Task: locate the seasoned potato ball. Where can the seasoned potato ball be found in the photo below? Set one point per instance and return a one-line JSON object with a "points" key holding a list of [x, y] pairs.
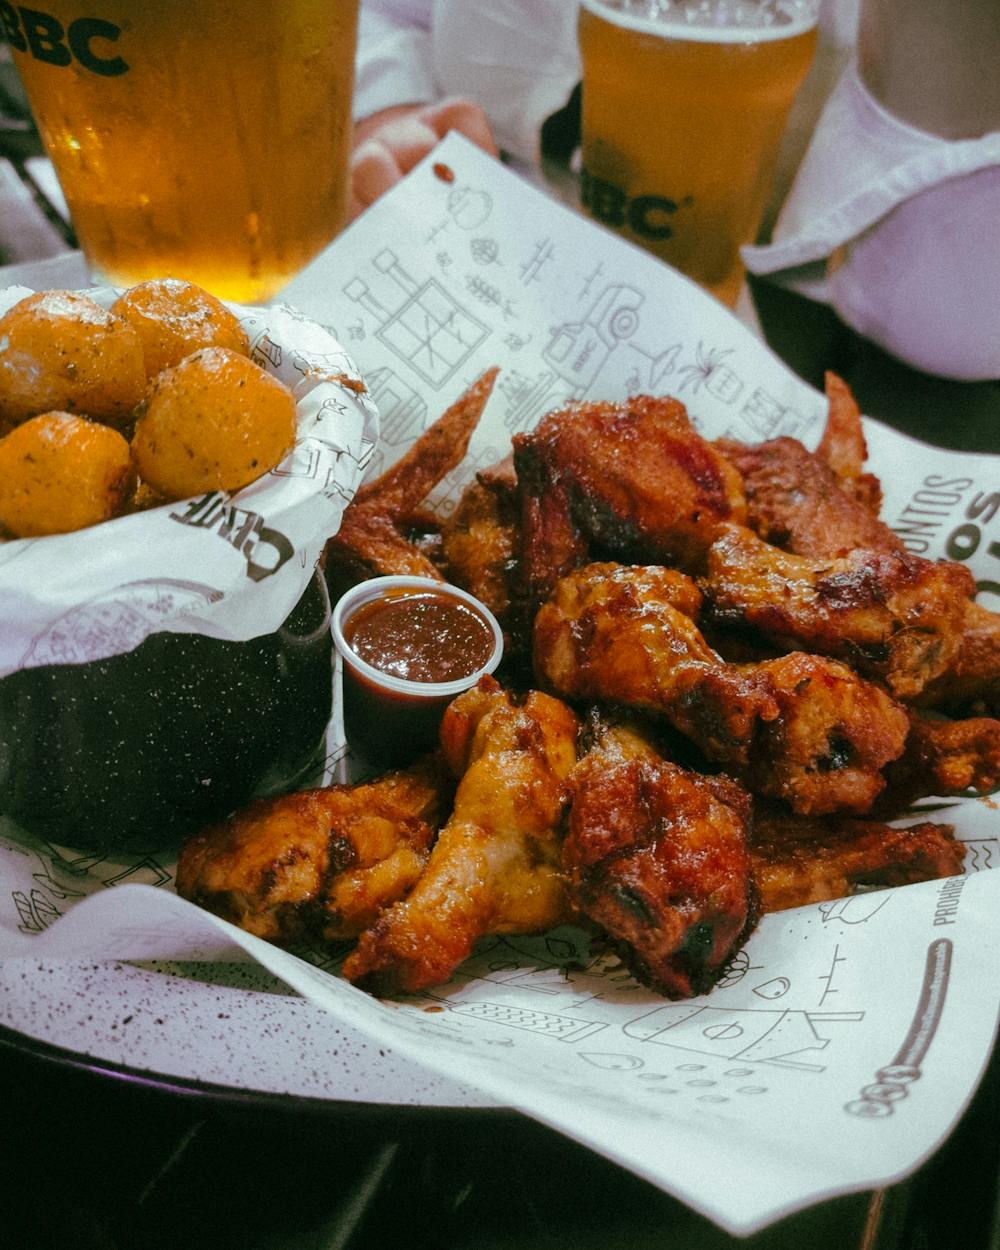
{"points": [[175, 318], [60, 351], [216, 421], [60, 472]]}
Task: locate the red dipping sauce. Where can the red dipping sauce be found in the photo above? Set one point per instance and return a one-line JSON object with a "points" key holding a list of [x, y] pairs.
{"points": [[409, 645], [425, 636]]}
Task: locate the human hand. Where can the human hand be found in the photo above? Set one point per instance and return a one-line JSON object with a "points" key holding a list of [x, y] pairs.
{"points": [[388, 144]]}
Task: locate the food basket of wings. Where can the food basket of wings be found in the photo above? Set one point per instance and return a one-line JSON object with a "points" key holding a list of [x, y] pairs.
{"points": [[724, 680]]}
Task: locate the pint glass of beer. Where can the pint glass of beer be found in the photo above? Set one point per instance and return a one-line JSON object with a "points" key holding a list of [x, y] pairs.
{"points": [[684, 108], [198, 139]]}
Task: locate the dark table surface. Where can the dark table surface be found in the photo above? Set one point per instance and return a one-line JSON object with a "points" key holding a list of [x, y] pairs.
{"points": [[94, 1161]]}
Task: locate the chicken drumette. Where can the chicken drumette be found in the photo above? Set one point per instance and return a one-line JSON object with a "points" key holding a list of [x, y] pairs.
{"points": [[495, 867], [633, 479], [657, 856], [797, 861], [321, 864], [892, 615], [800, 727]]}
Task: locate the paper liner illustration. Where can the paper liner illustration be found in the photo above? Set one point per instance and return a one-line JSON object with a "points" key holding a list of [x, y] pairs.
{"points": [[846, 1038]]}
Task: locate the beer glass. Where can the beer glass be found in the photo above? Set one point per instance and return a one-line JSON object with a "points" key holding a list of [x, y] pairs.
{"points": [[198, 139], [684, 107]]}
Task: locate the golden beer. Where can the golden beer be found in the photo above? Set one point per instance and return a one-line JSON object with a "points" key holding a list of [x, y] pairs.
{"points": [[681, 128], [206, 140]]}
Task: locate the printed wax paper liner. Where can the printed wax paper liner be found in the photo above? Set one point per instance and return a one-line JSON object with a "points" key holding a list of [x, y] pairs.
{"points": [[230, 566], [848, 1037]]}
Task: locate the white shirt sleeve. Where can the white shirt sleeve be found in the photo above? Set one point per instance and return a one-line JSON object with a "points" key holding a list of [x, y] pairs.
{"points": [[394, 57]]}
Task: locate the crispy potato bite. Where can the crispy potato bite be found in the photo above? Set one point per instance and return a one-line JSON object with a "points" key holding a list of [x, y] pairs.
{"points": [[60, 472], [174, 318], [60, 351], [216, 421]]}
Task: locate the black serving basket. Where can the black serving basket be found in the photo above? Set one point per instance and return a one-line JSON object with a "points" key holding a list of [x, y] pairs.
{"points": [[135, 752]]}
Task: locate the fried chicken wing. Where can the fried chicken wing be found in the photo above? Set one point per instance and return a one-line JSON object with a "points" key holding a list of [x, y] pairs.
{"points": [[495, 867], [795, 501], [320, 864], [657, 857], [370, 539], [479, 541], [800, 727], [892, 615], [971, 683], [797, 861], [633, 479], [843, 447], [943, 757]]}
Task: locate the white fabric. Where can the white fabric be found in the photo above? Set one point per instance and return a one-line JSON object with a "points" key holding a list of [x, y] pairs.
{"points": [[899, 231], [394, 64], [518, 59]]}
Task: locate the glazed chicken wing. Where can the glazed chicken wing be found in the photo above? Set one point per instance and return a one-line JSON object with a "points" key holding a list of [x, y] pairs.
{"points": [[843, 447], [971, 683], [799, 727], [892, 615], [370, 539], [943, 757], [495, 867], [657, 857], [798, 861], [631, 479], [320, 864], [797, 502], [479, 541]]}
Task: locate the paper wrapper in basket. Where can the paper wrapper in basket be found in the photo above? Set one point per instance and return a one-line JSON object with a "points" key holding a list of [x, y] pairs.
{"points": [[160, 667], [847, 1037]]}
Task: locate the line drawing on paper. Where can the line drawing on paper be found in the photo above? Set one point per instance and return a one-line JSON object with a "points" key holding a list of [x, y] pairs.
{"points": [[560, 1028], [892, 1083], [854, 908], [421, 323], [826, 980], [577, 350], [711, 373], [789, 1038], [768, 418], [531, 268]]}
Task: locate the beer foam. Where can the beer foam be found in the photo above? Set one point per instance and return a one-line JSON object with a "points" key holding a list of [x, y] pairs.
{"points": [[711, 21]]}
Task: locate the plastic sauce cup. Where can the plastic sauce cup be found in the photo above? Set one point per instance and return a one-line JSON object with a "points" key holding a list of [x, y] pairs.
{"points": [[408, 646]]}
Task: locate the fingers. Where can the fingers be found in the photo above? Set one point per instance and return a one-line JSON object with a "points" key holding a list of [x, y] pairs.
{"points": [[374, 170], [394, 145], [464, 116]]}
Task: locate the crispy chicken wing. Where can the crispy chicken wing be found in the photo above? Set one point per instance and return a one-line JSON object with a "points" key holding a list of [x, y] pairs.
{"points": [[479, 541], [843, 447], [798, 861], [971, 683], [943, 757], [320, 864], [890, 614], [799, 727], [657, 857], [797, 502], [495, 867], [370, 539], [631, 479]]}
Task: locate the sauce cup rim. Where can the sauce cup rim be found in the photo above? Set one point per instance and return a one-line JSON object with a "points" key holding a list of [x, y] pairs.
{"points": [[374, 588]]}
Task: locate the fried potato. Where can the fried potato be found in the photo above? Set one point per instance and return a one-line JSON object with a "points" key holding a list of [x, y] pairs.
{"points": [[174, 318], [216, 421], [60, 472], [60, 351]]}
